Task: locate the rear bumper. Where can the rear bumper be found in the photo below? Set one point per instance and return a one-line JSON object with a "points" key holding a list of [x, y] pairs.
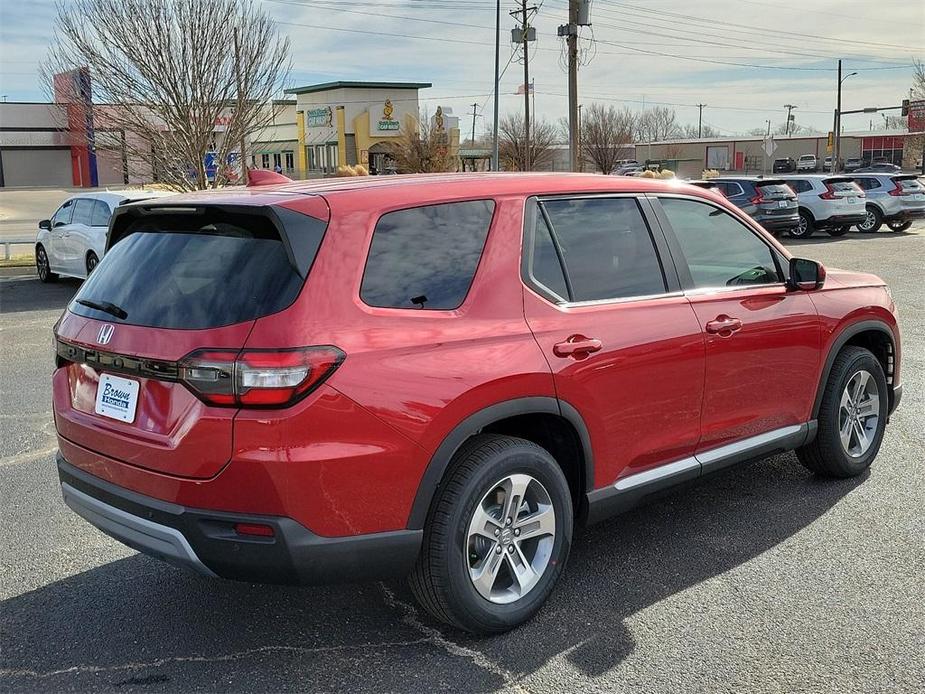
{"points": [[776, 223], [905, 215], [205, 541], [843, 219]]}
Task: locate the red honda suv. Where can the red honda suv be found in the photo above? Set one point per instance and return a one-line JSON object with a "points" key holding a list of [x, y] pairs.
{"points": [[440, 376]]}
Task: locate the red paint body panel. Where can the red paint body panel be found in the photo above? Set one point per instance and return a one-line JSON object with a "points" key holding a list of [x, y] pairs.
{"points": [[349, 458], [640, 394]]}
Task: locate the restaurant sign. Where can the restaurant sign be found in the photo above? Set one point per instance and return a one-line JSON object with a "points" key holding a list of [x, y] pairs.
{"points": [[319, 117], [387, 122]]}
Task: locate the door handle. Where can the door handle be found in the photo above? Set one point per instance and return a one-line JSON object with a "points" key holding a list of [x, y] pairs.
{"points": [[577, 346], [723, 326]]}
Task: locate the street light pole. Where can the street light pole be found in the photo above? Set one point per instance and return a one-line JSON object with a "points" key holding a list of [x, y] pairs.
{"points": [[837, 158], [494, 134]]}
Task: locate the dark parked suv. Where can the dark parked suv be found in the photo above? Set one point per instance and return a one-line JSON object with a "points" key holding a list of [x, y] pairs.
{"points": [[442, 376], [769, 201]]}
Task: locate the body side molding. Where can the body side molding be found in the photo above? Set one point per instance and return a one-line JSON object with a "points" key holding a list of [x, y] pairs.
{"points": [[628, 491]]}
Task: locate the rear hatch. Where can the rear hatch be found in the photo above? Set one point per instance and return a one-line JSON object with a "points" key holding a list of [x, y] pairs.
{"points": [[846, 196], [910, 191], [177, 292], [774, 198]]}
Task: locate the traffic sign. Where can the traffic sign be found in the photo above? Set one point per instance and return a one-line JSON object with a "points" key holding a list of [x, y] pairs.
{"points": [[770, 146]]}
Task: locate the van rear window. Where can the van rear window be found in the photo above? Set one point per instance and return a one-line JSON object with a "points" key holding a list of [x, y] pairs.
{"points": [[201, 270]]}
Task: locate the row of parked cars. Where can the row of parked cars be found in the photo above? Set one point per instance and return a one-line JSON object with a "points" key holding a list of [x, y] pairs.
{"points": [[810, 163], [800, 204]]}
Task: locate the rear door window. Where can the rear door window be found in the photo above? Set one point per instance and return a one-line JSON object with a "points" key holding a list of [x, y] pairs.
{"points": [[202, 270], [100, 214], [606, 247], [426, 257]]}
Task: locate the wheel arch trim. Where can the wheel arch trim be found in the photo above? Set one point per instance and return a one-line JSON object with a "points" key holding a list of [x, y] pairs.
{"points": [[840, 341], [475, 422]]}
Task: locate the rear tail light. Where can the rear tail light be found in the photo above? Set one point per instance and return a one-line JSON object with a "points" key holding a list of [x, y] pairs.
{"points": [[897, 190], [257, 378], [829, 193]]}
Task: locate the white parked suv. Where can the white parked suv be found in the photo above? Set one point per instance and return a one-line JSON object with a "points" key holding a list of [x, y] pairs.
{"points": [[72, 242], [892, 199], [832, 203], [807, 162]]}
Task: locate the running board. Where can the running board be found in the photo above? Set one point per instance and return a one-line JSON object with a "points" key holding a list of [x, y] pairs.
{"points": [[629, 491]]}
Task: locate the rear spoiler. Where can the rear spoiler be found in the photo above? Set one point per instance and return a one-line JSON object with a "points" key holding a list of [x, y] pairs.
{"points": [[262, 177], [770, 182]]}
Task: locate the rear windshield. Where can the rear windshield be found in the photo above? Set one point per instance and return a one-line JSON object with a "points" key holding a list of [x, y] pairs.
{"points": [[775, 190], [196, 271], [910, 184], [843, 186]]}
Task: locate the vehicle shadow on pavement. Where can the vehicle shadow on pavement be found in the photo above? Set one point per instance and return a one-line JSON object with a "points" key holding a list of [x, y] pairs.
{"points": [[138, 622], [28, 294]]}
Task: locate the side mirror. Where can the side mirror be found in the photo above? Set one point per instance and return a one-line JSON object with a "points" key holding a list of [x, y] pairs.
{"points": [[45, 224], [806, 275]]}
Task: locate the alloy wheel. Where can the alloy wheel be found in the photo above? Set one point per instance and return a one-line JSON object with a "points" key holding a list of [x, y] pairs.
{"points": [[869, 221], [41, 263], [859, 414], [510, 539]]}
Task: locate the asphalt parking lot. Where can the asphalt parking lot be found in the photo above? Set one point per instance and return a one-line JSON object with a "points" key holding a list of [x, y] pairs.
{"points": [[764, 579]]}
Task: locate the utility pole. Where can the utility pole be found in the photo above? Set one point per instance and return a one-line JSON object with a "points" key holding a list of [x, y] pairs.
{"points": [[494, 136], [572, 43], [475, 114], [837, 155], [525, 36], [789, 108], [700, 121], [237, 74]]}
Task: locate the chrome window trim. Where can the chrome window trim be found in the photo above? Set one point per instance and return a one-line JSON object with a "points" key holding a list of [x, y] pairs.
{"points": [[739, 287], [621, 300]]}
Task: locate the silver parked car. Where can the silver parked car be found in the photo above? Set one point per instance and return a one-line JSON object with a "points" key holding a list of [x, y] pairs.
{"points": [[892, 199], [832, 203]]}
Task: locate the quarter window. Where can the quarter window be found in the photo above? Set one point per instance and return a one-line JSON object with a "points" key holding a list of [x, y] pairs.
{"points": [[720, 251], [426, 257], [605, 245]]}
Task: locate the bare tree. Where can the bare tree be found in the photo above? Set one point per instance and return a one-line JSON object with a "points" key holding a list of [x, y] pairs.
{"points": [[167, 71], [694, 131], [512, 142], [422, 147], [656, 124], [918, 79], [605, 132]]}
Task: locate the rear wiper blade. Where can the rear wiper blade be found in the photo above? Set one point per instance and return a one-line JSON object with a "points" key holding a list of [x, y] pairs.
{"points": [[105, 306]]}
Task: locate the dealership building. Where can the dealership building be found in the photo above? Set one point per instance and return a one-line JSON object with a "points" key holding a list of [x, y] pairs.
{"points": [[688, 158]]}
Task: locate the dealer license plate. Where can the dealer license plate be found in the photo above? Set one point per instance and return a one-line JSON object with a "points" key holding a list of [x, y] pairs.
{"points": [[117, 398]]}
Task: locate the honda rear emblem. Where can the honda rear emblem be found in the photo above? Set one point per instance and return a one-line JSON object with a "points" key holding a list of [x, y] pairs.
{"points": [[105, 334]]}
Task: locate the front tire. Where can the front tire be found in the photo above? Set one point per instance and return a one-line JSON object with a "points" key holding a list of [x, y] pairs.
{"points": [[805, 228], [872, 222], [42, 266], [852, 416], [497, 536], [92, 262], [899, 226]]}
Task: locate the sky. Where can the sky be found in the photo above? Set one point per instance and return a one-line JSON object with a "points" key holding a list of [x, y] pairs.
{"points": [[744, 59]]}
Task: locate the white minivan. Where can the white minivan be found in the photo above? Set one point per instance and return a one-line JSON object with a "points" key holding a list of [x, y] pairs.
{"points": [[73, 241]]}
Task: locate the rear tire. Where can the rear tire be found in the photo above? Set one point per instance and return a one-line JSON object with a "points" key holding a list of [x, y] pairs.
{"points": [[485, 475], [805, 228], [42, 266], [899, 226], [873, 222], [838, 231], [836, 454]]}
